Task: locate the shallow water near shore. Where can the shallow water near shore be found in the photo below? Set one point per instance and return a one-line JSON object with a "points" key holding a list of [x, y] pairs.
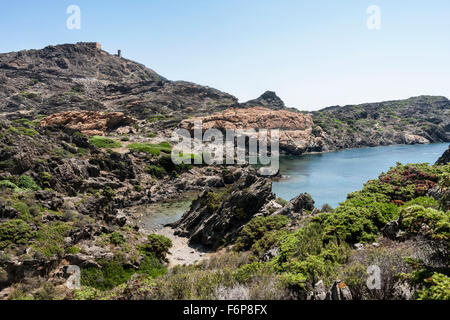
{"points": [[329, 177], [156, 215]]}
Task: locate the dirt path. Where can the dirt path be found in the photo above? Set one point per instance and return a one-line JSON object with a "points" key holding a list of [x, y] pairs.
{"points": [[181, 252]]}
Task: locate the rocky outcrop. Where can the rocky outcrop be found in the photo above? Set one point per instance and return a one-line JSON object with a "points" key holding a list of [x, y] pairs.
{"points": [[415, 139], [297, 206], [215, 219], [88, 122], [445, 158], [338, 291], [297, 132], [268, 99]]}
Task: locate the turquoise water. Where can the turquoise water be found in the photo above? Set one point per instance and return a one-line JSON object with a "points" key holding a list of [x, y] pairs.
{"points": [[329, 177]]}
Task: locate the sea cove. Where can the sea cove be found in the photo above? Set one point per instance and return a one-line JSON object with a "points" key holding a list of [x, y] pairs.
{"points": [[329, 177]]}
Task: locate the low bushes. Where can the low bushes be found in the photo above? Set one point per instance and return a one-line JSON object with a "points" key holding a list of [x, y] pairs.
{"points": [[436, 288], [14, 232], [50, 238], [102, 142], [157, 245], [153, 149], [26, 182], [257, 228], [426, 221]]}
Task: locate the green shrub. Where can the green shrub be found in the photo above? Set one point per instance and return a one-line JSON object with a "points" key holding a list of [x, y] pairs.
{"points": [[7, 165], [360, 217], [212, 201], [14, 232], [86, 293], [108, 193], [269, 240], [246, 272], [151, 266], [256, 228], [26, 182], [437, 288], [9, 185], [23, 209], [111, 274], [157, 245], [157, 118], [427, 221], [72, 250], [154, 149], [426, 202], [116, 238], [307, 256], [165, 161], [102, 142], [156, 171], [50, 238], [23, 131]]}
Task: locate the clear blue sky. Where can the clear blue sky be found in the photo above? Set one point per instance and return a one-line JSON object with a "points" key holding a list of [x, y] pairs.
{"points": [[312, 53]]}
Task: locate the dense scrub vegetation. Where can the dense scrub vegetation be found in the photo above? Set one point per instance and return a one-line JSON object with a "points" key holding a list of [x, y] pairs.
{"points": [[273, 256], [321, 248]]}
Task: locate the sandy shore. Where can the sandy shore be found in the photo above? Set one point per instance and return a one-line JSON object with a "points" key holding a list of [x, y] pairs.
{"points": [[181, 252]]}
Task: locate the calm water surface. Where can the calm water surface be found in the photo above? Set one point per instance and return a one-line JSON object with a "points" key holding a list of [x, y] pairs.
{"points": [[329, 177]]}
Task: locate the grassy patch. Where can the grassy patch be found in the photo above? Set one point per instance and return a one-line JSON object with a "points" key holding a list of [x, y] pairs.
{"points": [[154, 149], [102, 142]]}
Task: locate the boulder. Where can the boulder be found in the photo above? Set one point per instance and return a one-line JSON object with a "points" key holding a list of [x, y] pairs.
{"points": [[319, 292], [297, 206], [49, 199], [339, 291], [7, 212]]}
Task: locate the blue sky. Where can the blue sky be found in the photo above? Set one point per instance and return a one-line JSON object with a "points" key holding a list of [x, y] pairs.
{"points": [[312, 53]]}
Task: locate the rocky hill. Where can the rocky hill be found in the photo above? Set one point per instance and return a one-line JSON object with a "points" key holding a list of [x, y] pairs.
{"points": [[83, 77], [422, 119]]}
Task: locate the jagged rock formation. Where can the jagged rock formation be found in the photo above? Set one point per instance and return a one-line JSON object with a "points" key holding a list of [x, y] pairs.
{"points": [[215, 219], [83, 77], [296, 129], [297, 206], [338, 291], [268, 99], [445, 158]]}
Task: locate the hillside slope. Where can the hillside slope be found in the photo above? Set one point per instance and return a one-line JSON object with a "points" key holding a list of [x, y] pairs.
{"points": [[82, 77], [420, 119]]}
